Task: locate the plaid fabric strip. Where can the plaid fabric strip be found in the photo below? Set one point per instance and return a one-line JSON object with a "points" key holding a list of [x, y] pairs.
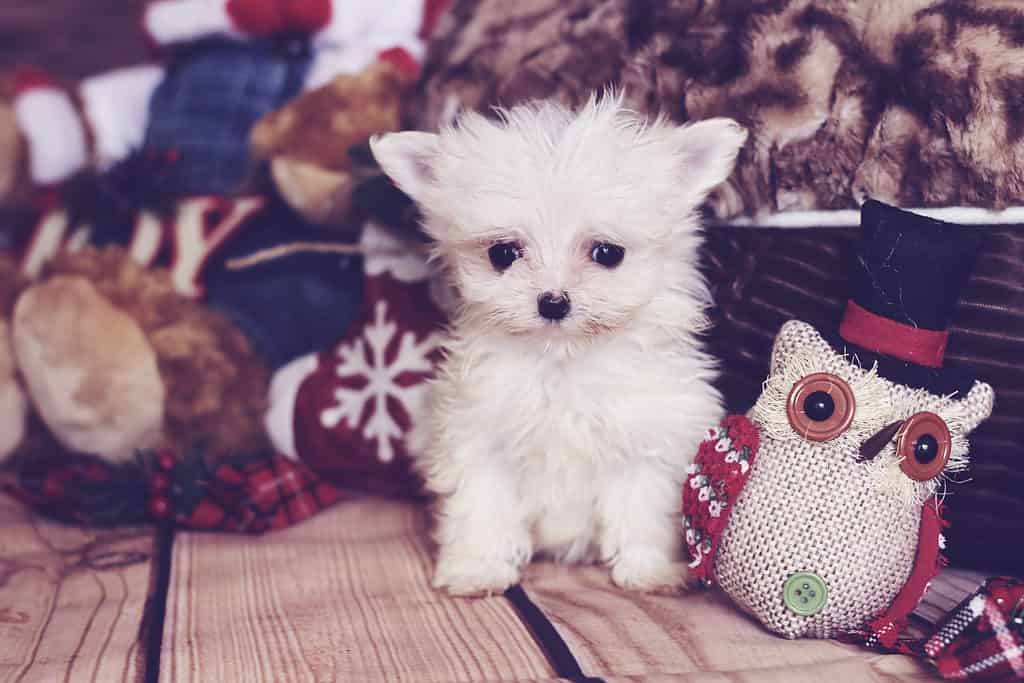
{"points": [[983, 638], [263, 494]]}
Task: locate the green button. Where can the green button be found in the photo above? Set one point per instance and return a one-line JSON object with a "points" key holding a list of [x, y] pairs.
{"points": [[805, 593]]}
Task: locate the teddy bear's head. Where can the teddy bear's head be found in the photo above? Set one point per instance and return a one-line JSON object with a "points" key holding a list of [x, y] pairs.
{"points": [[307, 141]]}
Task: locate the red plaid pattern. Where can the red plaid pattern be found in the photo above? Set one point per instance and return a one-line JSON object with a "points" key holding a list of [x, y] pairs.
{"points": [[258, 495], [245, 494], [983, 638]]}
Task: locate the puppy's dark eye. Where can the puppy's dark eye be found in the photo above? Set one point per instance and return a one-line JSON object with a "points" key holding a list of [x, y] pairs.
{"points": [[607, 255], [504, 254]]}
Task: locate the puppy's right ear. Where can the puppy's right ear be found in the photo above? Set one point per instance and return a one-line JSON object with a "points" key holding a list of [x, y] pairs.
{"points": [[408, 158]]}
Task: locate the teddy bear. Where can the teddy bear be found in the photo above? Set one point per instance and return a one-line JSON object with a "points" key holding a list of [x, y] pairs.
{"points": [[113, 360], [319, 76], [127, 321], [308, 142]]}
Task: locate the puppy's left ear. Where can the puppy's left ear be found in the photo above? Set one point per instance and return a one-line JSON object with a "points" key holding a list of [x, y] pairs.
{"points": [[707, 152], [408, 158]]}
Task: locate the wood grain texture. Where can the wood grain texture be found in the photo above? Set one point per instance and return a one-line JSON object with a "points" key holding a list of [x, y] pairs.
{"points": [[71, 601], [344, 596], [696, 637]]}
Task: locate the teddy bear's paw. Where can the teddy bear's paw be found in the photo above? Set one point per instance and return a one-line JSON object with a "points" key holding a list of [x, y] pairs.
{"points": [[89, 368]]}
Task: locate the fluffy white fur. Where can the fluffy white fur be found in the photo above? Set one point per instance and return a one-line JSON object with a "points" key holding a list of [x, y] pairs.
{"points": [[568, 438]]}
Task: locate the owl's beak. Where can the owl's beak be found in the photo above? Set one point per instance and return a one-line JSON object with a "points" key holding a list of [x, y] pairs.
{"points": [[878, 441]]}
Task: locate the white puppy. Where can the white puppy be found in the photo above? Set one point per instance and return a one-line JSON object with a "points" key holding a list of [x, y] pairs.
{"points": [[574, 390]]}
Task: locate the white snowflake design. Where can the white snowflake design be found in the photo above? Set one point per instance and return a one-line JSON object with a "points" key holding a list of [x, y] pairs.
{"points": [[381, 382]]}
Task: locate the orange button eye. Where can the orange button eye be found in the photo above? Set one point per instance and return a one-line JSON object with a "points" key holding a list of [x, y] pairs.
{"points": [[924, 444], [820, 407]]}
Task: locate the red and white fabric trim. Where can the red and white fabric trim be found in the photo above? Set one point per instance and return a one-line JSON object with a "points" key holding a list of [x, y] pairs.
{"points": [[347, 412], [175, 21], [360, 33], [714, 482], [116, 105], [284, 389], [891, 338], [352, 415], [347, 35], [885, 630], [41, 107]]}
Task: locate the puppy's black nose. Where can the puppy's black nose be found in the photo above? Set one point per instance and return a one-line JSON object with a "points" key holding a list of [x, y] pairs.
{"points": [[553, 306]]}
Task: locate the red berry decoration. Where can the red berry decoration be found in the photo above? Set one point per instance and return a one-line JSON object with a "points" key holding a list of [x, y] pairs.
{"points": [[206, 515], [166, 461], [96, 472], [53, 488], [159, 507], [159, 483]]}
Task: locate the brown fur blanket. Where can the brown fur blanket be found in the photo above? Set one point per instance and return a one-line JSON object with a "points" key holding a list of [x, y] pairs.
{"points": [[916, 102]]}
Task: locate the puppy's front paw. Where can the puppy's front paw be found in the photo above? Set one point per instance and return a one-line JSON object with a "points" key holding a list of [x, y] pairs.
{"points": [[648, 572], [470, 576]]}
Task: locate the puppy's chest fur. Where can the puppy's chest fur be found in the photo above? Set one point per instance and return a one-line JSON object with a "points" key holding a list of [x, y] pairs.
{"points": [[564, 436], [561, 500], [567, 429], [561, 411]]}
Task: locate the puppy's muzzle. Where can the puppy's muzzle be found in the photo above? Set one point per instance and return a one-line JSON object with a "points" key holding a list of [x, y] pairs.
{"points": [[553, 306]]}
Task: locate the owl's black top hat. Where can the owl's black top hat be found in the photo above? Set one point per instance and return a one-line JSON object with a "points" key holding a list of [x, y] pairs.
{"points": [[908, 272]]}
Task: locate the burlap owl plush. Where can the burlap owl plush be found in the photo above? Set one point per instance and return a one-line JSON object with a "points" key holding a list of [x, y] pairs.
{"points": [[819, 511]]}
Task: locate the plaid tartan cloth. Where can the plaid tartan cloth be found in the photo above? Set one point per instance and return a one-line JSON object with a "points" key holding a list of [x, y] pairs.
{"points": [[983, 638], [243, 493], [214, 92]]}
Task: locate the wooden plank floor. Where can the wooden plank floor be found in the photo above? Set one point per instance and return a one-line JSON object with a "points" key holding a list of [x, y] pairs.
{"points": [[698, 636], [71, 600], [344, 596]]}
